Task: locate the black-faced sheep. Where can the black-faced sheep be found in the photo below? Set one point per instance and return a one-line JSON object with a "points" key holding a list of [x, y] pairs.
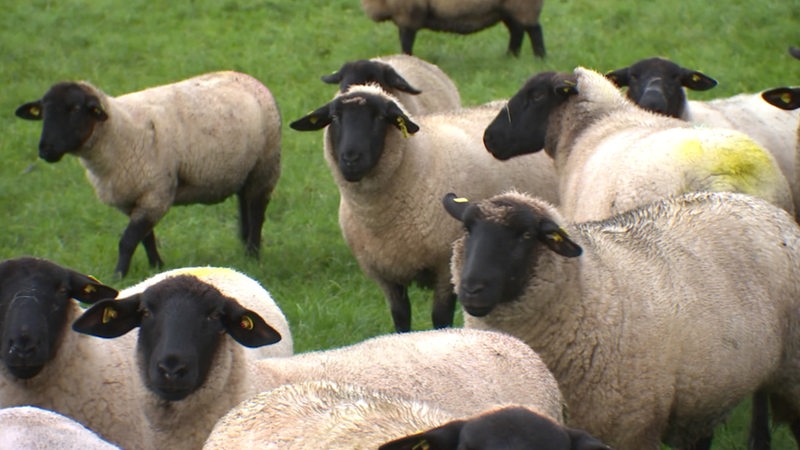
{"points": [[461, 16], [420, 86], [656, 84], [656, 322], [200, 140], [390, 168], [46, 364], [611, 155]]}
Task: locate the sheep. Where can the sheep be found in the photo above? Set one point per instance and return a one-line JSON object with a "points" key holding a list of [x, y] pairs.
{"points": [[508, 428], [388, 177], [420, 86], [193, 374], [655, 322], [611, 155], [195, 141], [245, 290], [656, 84], [330, 415], [45, 364], [463, 17], [28, 427]]}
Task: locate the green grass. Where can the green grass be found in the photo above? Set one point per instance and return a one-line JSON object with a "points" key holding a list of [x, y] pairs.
{"points": [[51, 211]]}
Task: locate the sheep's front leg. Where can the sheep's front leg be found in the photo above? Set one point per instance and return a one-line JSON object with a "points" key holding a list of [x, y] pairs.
{"points": [[407, 36], [138, 230], [399, 305], [444, 302], [537, 40]]}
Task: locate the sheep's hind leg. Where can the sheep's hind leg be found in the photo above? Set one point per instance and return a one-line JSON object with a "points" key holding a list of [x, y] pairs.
{"points": [[136, 232], [407, 36], [149, 244], [516, 33], [444, 306], [537, 39], [399, 305], [760, 436], [252, 210]]}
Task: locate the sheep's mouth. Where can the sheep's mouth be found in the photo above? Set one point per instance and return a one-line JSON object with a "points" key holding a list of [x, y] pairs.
{"points": [[479, 310], [24, 371], [171, 393]]}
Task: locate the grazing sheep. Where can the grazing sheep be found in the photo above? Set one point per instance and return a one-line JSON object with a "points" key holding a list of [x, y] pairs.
{"points": [[194, 374], [420, 86], [45, 364], [463, 17], [656, 84], [240, 287], [656, 322], [508, 428], [200, 140], [391, 168], [28, 427], [611, 155]]}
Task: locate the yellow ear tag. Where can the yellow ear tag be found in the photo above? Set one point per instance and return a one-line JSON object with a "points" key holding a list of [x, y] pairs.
{"points": [[88, 289], [786, 98], [421, 445], [35, 111], [402, 124], [461, 200], [555, 237], [246, 323], [313, 120], [695, 77], [109, 314]]}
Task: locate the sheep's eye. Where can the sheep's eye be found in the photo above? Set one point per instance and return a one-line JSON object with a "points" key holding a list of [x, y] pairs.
{"points": [[526, 235], [538, 96], [145, 312], [214, 315]]}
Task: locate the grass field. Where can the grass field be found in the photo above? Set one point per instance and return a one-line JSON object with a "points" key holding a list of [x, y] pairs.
{"points": [[50, 210]]}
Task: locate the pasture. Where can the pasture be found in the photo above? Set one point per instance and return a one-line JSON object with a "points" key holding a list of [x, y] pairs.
{"points": [[51, 211]]}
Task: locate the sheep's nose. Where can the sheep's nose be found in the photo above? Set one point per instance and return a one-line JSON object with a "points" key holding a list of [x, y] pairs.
{"points": [[24, 346], [350, 157], [172, 369], [472, 288]]}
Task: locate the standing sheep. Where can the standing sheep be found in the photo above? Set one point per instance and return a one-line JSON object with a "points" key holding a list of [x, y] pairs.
{"points": [[45, 364], [656, 322], [392, 169], [611, 155], [656, 84], [200, 140], [28, 427], [463, 17], [420, 86], [194, 373]]}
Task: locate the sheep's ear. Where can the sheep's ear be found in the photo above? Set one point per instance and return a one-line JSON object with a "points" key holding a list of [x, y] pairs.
{"points": [[696, 81], [783, 97], [315, 120], [619, 77], [88, 289], [110, 318], [795, 52], [445, 437], [96, 109], [247, 327], [333, 78], [396, 117], [566, 87], [30, 111], [581, 440], [557, 240], [394, 80], [455, 205]]}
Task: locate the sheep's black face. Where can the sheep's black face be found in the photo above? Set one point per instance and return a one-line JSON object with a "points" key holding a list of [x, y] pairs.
{"points": [[521, 127], [70, 114], [180, 332], [365, 71]]}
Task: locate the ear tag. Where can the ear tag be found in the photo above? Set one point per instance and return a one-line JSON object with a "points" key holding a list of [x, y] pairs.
{"points": [[421, 445], [461, 200], [695, 77], [246, 323], [555, 237], [109, 314], [313, 120], [786, 98], [35, 111], [88, 289], [402, 124]]}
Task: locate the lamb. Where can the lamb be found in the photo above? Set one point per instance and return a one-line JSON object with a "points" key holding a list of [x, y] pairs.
{"points": [[463, 17], [388, 180], [194, 373], [656, 84], [611, 155], [648, 318], [28, 427], [329, 415], [196, 141], [420, 86], [508, 428], [47, 365], [240, 287]]}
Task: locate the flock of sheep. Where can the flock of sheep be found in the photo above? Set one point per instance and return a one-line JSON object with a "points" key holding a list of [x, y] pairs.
{"points": [[563, 345]]}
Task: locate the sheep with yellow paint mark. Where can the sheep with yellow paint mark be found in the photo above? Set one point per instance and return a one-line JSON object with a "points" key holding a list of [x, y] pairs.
{"points": [[611, 155]]}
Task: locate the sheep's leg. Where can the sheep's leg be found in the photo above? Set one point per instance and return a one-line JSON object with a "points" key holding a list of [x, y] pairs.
{"points": [[444, 304], [244, 216], [516, 33], [399, 305], [149, 244], [407, 36], [537, 39], [760, 438], [700, 444], [136, 231], [252, 208]]}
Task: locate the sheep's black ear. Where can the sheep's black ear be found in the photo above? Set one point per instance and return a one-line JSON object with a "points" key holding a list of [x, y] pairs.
{"points": [[394, 80], [557, 240], [247, 327], [783, 97], [315, 120], [566, 87], [333, 78], [696, 81], [619, 77], [455, 205], [96, 109], [581, 440], [795, 52], [30, 111], [110, 318], [445, 437], [88, 289], [395, 116]]}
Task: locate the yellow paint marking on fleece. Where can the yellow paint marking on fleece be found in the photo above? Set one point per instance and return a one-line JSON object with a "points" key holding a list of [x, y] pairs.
{"points": [[730, 161], [201, 272]]}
